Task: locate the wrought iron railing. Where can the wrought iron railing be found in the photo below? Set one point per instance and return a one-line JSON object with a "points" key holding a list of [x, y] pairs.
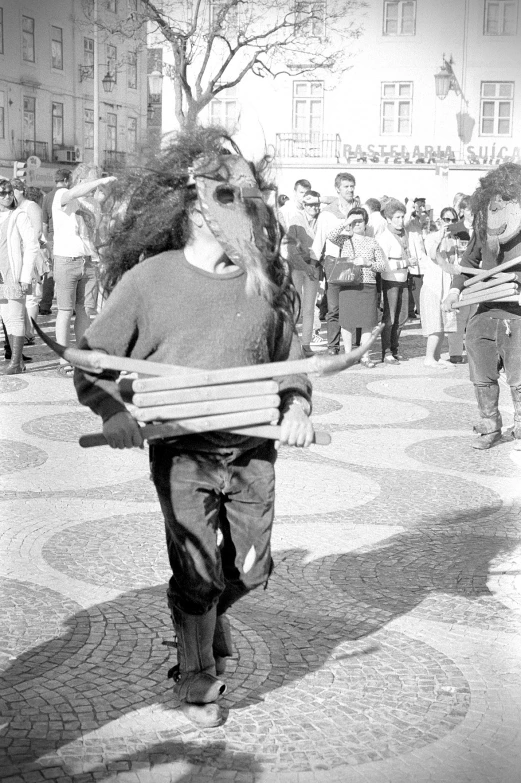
{"points": [[38, 148], [308, 145]]}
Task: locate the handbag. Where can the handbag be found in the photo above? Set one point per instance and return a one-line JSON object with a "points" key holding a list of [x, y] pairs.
{"points": [[343, 271]]}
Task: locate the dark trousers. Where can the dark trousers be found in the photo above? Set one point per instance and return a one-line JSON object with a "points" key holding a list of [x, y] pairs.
{"points": [[415, 283], [47, 293], [332, 316], [396, 312], [218, 511], [488, 339]]}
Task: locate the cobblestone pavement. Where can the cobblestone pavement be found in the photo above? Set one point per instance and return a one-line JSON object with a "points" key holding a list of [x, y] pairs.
{"points": [[385, 650]]}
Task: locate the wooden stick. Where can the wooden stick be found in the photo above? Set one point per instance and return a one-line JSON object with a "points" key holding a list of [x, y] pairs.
{"points": [[96, 362], [193, 410], [489, 301], [223, 392], [466, 300], [470, 300], [223, 421], [511, 288], [319, 364], [160, 431], [496, 289], [485, 273], [468, 270], [507, 277]]}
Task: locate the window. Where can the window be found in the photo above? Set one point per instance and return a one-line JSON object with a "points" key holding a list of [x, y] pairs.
{"points": [[311, 18], [112, 5], [112, 56], [230, 17], [57, 124], [400, 17], [28, 39], [88, 129], [112, 132], [29, 118], [132, 134], [132, 70], [2, 115], [224, 110], [1, 30], [396, 108], [132, 7], [500, 17], [308, 106], [57, 48], [497, 99], [88, 57]]}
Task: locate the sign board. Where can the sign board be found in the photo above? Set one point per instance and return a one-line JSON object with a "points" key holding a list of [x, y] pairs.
{"points": [[40, 178], [480, 153], [33, 162]]}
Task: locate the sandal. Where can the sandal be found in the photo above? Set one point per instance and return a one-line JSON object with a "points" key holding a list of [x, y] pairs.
{"points": [[65, 370], [367, 362]]}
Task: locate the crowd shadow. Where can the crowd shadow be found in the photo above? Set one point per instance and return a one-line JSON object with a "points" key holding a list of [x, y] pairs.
{"points": [[112, 657]]}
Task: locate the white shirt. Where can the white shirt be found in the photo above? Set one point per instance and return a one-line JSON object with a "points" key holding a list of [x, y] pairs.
{"points": [[376, 225], [67, 240]]}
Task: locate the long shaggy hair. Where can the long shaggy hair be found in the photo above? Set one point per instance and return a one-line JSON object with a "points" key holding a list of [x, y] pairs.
{"points": [[149, 212], [504, 181]]}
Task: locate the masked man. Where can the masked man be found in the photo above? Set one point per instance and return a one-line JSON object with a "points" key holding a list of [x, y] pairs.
{"points": [[196, 280], [494, 330]]}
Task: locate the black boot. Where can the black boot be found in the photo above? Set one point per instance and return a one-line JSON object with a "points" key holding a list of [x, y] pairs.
{"points": [[489, 428], [194, 677], [16, 365], [7, 344], [222, 647], [515, 391], [7, 347]]}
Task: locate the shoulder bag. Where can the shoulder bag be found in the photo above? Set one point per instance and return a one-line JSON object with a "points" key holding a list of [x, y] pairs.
{"points": [[342, 270]]}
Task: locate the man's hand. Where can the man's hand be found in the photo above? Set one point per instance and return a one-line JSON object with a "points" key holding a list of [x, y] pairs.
{"points": [[122, 431], [26, 287], [295, 426], [449, 300], [312, 273]]}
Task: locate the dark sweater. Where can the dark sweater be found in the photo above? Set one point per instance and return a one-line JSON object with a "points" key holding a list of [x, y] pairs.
{"points": [[478, 256], [169, 311]]}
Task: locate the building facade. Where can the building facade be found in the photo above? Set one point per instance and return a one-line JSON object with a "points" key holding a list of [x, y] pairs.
{"points": [[47, 50], [384, 117]]}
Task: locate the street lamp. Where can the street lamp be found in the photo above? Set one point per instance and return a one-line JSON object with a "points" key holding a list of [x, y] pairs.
{"points": [[108, 82], [155, 85], [445, 80]]}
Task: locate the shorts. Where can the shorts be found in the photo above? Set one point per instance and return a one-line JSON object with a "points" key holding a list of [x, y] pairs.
{"points": [[71, 277]]}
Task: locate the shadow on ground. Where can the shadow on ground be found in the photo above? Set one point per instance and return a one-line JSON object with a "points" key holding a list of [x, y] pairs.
{"points": [[111, 661]]}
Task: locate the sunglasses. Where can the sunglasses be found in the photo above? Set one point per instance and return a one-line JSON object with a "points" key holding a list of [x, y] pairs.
{"points": [[449, 220], [5, 193], [315, 205]]}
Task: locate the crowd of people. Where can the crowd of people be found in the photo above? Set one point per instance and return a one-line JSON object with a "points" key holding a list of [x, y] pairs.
{"points": [[49, 244], [406, 258]]}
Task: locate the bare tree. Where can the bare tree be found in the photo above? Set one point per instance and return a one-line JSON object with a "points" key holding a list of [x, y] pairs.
{"points": [[216, 43]]}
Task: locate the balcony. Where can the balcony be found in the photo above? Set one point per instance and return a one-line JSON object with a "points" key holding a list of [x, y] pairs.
{"points": [[308, 145], [38, 148], [114, 160]]}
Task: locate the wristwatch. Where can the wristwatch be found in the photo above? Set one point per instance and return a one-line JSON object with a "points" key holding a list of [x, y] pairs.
{"points": [[300, 401]]}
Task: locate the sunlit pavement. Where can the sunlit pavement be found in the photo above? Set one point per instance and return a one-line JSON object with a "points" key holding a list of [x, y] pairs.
{"points": [[386, 647]]}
